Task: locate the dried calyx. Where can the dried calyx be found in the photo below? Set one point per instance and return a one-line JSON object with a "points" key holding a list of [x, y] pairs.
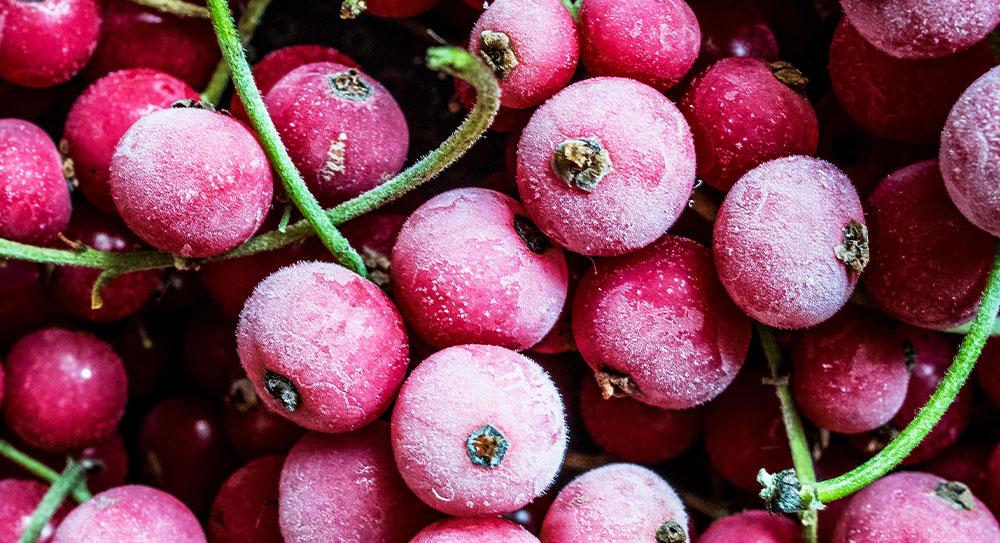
{"points": [[956, 494], [581, 163], [854, 252], [671, 532], [282, 390], [378, 265], [497, 52], [487, 446], [789, 76], [349, 86], [614, 384], [531, 235], [242, 397], [781, 492]]}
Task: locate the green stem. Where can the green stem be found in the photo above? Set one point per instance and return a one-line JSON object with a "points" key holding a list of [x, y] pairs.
{"points": [[249, 21], [38, 469], [574, 8], [931, 412], [295, 186], [71, 478], [174, 7]]}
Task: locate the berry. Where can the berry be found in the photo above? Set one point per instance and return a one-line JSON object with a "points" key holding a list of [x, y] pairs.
{"points": [[114, 461], [478, 430], [733, 29], [346, 488], [18, 500], [209, 352], [605, 166], [752, 527], [343, 129], [324, 348], [64, 389], [101, 116], [246, 508], [45, 42], [970, 151], [790, 242], [964, 463], [130, 513], [470, 267], [399, 9], [146, 353], [252, 429], [474, 530], [988, 370], [191, 182], [653, 42], [34, 198], [914, 231], [744, 112], [617, 503], [657, 326], [24, 303]]}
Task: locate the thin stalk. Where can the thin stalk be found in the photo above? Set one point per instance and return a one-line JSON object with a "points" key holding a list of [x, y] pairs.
{"points": [[38, 469], [175, 7], [574, 8], [249, 21], [72, 477]]}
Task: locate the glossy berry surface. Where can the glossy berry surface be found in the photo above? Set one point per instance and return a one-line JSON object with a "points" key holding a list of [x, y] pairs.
{"points": [[130, 513], [46, 42], [246, 508], [34, 197], [474, 530], [18, 500], [752, 527]]}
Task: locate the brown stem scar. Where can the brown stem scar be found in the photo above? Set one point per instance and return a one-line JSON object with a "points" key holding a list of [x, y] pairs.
{"points": [[581, 163], [349, 86], [671, 532], [789, 76], [497, 52], [854, 251], [956, 494], [614, 384]]}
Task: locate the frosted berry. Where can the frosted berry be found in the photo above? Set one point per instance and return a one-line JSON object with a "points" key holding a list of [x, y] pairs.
{"points": [[34, 197], [246, 507], [18, 500], [752, 527], [46, 42], [130, 513], [474, 530]]}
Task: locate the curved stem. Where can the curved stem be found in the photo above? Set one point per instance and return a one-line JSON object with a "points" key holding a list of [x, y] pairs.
{"points": [[72, 477], [38, 469], [249, 21], [295, 186], [174, 7]]}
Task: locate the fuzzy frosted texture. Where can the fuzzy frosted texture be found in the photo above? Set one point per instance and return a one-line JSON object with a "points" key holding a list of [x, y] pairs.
{"points": [[988, 371], [653, 42], [34, 198], [617, 503], [775, 240], [900, 99], [915, 230], [346, 488], [545, 44], [459, 390], [45, 43], [101, 116], [741, 115], [334, 335], [399, 9], [922, 28], [18, 500], [474, 530], [752, 527], [653, 162], [661, 317], [970, 152], [191, 182], [133, 514], [64, 389], [462, 274], [903, 507], [246, 507], [342, 147]]}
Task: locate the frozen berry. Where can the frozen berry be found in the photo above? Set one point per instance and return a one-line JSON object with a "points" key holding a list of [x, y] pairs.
{"points": [[132, 513], [478, 430], [253, 429], [18, 500], [190, 181], [399, 9], [752, 527], [34, 197], [45, 42], [470, 267], [605, 166], [474, 530], [246, 508]]}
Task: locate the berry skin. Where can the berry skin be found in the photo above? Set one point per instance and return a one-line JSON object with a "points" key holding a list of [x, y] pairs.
{"points": [[474, 530], [921, 28], [988, 370], [752, 527], [132, 513], [964, 463], [18, 500], [605, 166], [101, 116], [653, 42], [64, 389], [246, 507], [343, 129], [34, 197], [790, 242], [346, 488], [914, 230], [533, 57], [46, 42], [478, 430], [617, 503], [899, 99], [191, 182], [742, 115], [324, 348], [970, 152], [656, 325], [469, 267], [399, 9], [917, 507]]}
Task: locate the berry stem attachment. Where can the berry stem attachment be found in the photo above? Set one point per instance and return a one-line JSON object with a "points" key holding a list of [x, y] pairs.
{"points": [[71, 478], [931, 412], [295, 186], [249, 21], [175, 7], [574, 8], [38, 469]]}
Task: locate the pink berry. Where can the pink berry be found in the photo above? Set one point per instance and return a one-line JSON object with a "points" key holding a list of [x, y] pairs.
{"points": [[744, 112], [733, 29], [617, 503], [130, 513], [469, 267], [966, 462], [922, 28], [45, 42], [399, 9], [988, 370], [64, 389], [790, 241], [752, 527], [324, 348], [915, 506], [114, 460], [478, 430], [18, 500], [191, 182], [246, 508], [605, 166], [915, 229], [34, 197], [101, 116], [653, 42], [474, 530], [656, 325], [346, 488], [970, 152], [899, 99], [343, 129], [533, 57], [252, 429]]}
